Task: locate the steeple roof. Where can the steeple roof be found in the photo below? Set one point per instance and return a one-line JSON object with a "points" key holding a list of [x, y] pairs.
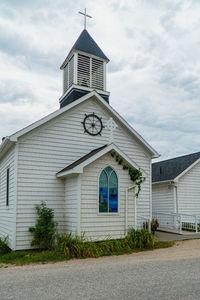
{"points": [[86, 44]]}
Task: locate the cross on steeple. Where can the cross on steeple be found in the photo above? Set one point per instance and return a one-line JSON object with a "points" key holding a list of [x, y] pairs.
{"points": [[85, 16]]}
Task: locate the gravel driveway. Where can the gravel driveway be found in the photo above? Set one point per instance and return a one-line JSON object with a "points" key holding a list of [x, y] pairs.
{"points": [[172, 273]]}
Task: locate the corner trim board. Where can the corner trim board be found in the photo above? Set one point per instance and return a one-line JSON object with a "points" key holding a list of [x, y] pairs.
{"points": [[15, 196]]}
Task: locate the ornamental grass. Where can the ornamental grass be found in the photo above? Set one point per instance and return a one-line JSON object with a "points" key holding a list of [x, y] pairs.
{"points": [[77, 247]]}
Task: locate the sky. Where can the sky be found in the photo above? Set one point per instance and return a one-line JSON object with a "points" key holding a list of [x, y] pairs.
{"points": [[153, 74]]}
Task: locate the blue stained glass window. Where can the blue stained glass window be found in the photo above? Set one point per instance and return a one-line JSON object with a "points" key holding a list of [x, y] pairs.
{"points": [[113, 192], [108, 170], [108, 191], [103, 192]]}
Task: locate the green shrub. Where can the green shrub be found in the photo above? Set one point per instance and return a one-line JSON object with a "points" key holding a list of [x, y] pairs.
{"points": [[140, 238], [4, 248], [45, 228], [76, 247]]}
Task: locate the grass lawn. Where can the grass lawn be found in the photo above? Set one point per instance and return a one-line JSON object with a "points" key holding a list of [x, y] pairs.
{"points": [[39, 256]]}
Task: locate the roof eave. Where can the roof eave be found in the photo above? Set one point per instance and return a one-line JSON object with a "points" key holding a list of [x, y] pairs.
{"points": [[164, 181], [5, 146], [157, 155], [74, 171], [81, 52]]}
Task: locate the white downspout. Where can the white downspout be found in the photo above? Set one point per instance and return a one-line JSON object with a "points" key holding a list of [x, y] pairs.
{"points": [[126, 209], [175, 198], [135, 208], [175, 204], [79, 179], [150, 191]]}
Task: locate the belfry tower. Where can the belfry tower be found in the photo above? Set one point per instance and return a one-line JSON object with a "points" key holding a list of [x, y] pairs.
{"points": [[84, 70]]}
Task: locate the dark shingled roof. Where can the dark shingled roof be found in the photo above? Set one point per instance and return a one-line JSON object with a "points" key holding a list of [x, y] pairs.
{"points": [[82, 159], [86, 44], [171, 168]]}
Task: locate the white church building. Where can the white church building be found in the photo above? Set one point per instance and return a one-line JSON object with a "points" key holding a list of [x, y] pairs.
{"points": [[68, 159]]}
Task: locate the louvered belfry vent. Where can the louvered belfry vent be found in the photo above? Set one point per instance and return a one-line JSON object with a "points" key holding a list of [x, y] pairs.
{"points": [[90, 72], [69, 75], [83, 70], [97, 74]]}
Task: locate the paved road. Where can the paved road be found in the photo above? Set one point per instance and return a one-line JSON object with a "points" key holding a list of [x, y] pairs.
{"points": [[172, 273]]}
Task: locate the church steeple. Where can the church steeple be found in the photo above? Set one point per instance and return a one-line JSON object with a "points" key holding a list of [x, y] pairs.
{"points": [[84, 70]]}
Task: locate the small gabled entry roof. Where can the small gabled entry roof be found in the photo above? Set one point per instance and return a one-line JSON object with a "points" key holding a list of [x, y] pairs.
{"points": [[82, 159], [77, 166], [172, 169], [87, 44]]}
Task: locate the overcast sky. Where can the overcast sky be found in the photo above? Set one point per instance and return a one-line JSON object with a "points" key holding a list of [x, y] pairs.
{"points": [[153, 74]]}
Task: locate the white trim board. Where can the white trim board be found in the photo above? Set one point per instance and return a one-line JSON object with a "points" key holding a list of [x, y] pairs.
{"points": [[164, 181]]}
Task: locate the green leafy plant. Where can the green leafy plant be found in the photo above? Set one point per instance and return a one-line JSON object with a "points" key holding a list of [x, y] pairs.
{"points": [[45, 228], [154, 225], [135, 174], [140, 238], [4, 248]]}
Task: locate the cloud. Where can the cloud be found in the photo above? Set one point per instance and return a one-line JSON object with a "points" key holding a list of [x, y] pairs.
{"points": [[153, 73], [17, 92]]}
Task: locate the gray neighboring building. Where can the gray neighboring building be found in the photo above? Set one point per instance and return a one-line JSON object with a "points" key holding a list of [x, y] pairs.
{"points": [[176, 185]]}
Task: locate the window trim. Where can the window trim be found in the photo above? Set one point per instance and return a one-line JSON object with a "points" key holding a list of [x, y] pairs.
{"points": [[118, 202]]}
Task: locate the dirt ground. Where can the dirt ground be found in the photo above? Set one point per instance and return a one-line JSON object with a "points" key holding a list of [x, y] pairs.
{"points": [[181, 250]]}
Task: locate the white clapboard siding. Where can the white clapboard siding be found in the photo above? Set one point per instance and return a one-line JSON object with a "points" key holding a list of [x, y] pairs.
{"points": [[99, 226], [188, 192], [71, 203], [7, 213], [162, 198], [54, 145]]}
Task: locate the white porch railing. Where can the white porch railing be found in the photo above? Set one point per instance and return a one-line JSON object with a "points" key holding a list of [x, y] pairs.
{"points": [[178, 221], [190, 222]]}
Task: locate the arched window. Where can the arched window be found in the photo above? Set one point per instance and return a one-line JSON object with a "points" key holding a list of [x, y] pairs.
{"points": [[108, 191]]}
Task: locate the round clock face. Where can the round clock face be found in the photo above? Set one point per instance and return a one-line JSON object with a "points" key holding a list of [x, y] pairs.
{"points": [[92, 124]]}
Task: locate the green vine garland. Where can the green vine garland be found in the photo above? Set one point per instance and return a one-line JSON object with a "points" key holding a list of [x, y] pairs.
{"points": [[135, 174]]}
